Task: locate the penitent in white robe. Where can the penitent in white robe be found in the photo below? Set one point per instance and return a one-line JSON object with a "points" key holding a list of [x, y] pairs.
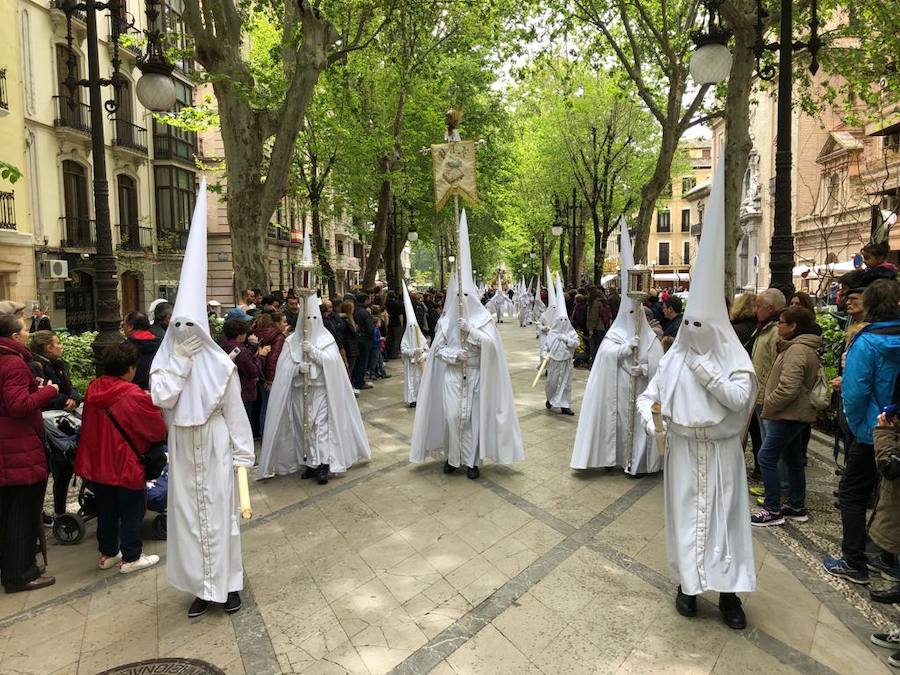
{"points": [[462, 394], [413, 360], [204, 543], [558, 386], [708, 539]]}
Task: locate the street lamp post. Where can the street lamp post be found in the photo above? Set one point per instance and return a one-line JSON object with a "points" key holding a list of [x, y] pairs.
{"points": [[711, 64], [397, 238], [561, 223], [106, 276]]}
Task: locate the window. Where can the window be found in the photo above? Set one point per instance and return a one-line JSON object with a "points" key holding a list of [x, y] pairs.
{"points": [[685, 220], [706, 153], [175, 194], [686, 253], [832, 192], [340, 247], [76, 222], [688, 183], [128, 200], [663, 221], [175, 28], [892, 142], [62, 72], [664, 253], [700, 209], [170, 142], [4, 101]]}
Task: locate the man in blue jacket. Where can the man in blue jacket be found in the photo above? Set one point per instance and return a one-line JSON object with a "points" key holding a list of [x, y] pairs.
{"points": [[870, 376]]}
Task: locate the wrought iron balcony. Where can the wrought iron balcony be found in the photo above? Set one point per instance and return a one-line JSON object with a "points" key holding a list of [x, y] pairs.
{"points": [[7, 211], [4, 100], [131, 35], [78, 232], [134, 237], [171, 241], [128, 135], [77, 15], [278, 233], [72, 114]]}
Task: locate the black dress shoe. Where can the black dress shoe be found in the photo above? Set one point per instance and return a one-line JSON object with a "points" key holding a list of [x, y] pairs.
{"points": [[322, 474], [548, 405], [33, 585], [198, 608], [233, 603], [449, 468], [566, 411], [473, 472], [732, 612], [888, 596], [308, 472], [686, 605]]}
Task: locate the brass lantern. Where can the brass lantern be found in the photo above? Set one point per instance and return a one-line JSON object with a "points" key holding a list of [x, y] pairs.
{"points": [[638, 282]]}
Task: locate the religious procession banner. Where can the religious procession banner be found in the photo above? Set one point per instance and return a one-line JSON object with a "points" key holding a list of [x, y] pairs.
{"points": [[453, 165]]}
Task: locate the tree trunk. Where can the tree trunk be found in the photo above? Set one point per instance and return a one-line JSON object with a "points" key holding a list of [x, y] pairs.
{"points": [[563, 268], [654, 188], [379, 236], [322, 252], [738, 144]]}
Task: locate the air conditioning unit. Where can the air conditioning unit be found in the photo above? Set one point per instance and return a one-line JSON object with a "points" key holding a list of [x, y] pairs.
{"points": [[54, 269]]}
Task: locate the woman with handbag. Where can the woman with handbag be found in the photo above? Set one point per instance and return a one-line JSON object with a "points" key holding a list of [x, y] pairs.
{"points": [[120, 424]]}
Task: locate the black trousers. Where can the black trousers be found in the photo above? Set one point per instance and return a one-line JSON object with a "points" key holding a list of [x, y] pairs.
{"points": [[20, 518], [62, 478], [756, 439], [119, 515], [856, 487]]}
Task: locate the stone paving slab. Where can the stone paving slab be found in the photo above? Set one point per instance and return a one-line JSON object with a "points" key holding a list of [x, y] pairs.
{"points": [[399, 568]]}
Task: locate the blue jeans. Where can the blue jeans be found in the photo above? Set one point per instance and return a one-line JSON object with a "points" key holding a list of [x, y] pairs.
{"points": [[263, 408], [783, 443]]}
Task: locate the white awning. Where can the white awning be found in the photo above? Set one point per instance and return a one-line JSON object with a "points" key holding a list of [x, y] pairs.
{"points": [[805, 272], [607, 278], [672, 276]]}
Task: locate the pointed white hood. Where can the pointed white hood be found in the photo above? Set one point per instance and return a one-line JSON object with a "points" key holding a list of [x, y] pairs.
{"points": [[210, 369], [549, 315], [475, 312], [562, 325], [412, 334], [705, 330]]}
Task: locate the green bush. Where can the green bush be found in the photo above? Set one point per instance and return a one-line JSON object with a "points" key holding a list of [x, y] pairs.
{"points": [[831, 350], [79, 356]]}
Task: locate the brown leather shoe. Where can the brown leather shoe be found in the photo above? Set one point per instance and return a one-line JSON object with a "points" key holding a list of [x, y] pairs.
{"points": [[33, 585]]}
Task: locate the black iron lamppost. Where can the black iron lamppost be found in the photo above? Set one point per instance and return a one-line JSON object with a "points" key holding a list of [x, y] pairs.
{"points": [[152, 94], [395, 223], [709, 65], [563, 212]]}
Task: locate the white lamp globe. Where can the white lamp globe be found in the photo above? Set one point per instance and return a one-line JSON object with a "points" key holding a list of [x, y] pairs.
{"points": [[710, 64], [412, 235], [556, 230], [156, 92], [451, 258]]}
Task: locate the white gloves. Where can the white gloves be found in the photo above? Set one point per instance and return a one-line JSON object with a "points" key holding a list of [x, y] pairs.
{"points": [[635, 343], [303, 367], [462, 356], [703, 371], [311, 352], [188, 347], [637, 371], [545, 329]]}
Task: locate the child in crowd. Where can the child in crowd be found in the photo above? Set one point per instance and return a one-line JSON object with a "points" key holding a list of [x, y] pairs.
{"points": [[377, 367]]}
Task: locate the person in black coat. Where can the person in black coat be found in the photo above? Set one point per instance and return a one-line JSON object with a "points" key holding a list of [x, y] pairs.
{"points": [[48, 366], [138, 333], [39, 320], [365, 332]]}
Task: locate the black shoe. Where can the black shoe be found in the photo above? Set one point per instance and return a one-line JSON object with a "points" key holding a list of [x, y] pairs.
{"points": [[308, 472], [322, 474], [732, 612], [449, 468], [47, 518], [566, 411], [233, 603], [198, 608], [888, 596], [548, 405], [366, 385], [412, 405], [686, 605], [473, 472]]}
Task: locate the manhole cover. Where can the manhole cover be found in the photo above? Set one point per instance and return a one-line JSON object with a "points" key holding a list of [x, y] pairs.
{"points": [[165, 667]]}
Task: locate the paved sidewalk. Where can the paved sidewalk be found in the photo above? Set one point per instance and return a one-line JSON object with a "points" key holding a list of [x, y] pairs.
{"points": [[398, 567]]}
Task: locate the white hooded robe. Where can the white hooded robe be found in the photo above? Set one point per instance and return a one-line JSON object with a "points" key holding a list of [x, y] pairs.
{"points": [[413, 347], [562, 341]]}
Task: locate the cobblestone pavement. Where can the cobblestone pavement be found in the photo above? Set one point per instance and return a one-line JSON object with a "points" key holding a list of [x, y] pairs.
{"points": [[399, 568]]}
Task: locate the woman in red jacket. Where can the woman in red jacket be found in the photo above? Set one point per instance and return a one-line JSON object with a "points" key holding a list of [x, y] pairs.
{"points": [[23, 462], [107, 460]]}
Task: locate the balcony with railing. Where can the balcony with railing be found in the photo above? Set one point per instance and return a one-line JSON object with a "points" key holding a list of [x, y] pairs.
{"points": [[129, 38], [166, 146], [134, 237], [171, 241], [71, 114], [79, 15], [129, 136], [696, 229], [78, 232], [4, 99], [7, 211], [346, 262]]}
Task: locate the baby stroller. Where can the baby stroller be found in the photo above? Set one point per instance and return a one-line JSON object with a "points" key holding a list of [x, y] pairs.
{"points": [[61, 430], [157, 494]]}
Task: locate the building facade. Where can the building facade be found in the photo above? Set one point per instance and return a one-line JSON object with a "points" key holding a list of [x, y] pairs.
{"points": [[671, 244]]}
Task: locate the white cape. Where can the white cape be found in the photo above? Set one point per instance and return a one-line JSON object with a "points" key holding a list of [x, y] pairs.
{"points": [[283, 442]]}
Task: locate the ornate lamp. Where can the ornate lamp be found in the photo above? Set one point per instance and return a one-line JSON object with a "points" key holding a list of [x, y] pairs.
{"points": [[638, 282], [711, 61], [155, 89]]}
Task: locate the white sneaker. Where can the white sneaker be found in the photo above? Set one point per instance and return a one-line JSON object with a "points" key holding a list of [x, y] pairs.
{"points": [[108, 562], [139, 564]]}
